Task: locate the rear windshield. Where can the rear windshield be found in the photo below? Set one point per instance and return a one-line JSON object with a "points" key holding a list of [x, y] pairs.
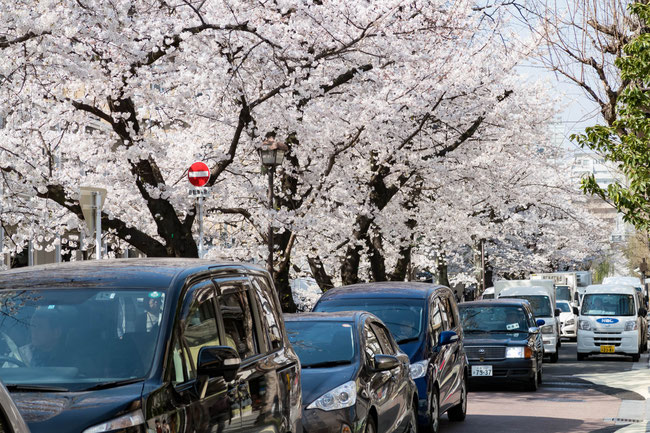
{"points": [[541, 304], [321, 343], [77, 338], [601, 304], [403, 317], [564, 307], [563, 293]]}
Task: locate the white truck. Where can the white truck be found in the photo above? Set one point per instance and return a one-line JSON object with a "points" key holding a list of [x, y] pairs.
{"points": [[611, 321], [566, 285], [541, 296]]}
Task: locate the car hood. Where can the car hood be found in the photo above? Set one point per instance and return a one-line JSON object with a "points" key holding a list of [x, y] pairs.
{"points": [[318, 381], [488, 339], [62, 412], [414, 349]]}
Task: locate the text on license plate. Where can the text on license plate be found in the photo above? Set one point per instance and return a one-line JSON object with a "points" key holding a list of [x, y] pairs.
{"points": [[606, 349], [481, 370]]}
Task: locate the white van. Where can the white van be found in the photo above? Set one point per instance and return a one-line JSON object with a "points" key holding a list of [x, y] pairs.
{"points": [[542, 301], [610, 321]]}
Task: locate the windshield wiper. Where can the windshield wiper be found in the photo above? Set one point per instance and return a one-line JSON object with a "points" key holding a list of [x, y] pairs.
{"points": [[475, 331], [406, 340], [113, 384], [325, 364], [42, 388]]}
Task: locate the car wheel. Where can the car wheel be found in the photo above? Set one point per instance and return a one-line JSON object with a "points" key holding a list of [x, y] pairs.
{"points": [[539, 377], [555, 356], [434, 425], [370, 425], [582, 356], [636, 357], [458, 412]]}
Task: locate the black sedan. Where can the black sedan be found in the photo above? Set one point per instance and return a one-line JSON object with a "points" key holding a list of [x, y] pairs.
{"points": [[354, 377], [502, 342]]}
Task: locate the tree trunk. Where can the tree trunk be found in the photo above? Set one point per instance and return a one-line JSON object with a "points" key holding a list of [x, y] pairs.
{"points": [[320, 275]]}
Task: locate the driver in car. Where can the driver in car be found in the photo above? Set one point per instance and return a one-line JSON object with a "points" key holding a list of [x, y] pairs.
{"points": [[46, 335]]}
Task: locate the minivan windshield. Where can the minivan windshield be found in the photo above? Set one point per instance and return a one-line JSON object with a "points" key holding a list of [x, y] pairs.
{"points": [[403, 317], [321, 343], [77, 338], [541, 304], [608, 304]]}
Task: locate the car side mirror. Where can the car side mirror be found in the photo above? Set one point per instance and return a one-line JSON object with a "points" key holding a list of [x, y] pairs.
{"points": [[576, 311], [533, 330], [216, 361], [643, 312], [385, 362], [557, 312], [447, 337], [540, 322]]}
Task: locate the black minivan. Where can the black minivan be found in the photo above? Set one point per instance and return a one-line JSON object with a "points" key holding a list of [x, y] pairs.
{"points": [[424, 321], [147, 345]]}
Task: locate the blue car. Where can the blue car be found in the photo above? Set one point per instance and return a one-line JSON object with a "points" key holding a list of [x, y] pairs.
{"points": [[424, 321]]}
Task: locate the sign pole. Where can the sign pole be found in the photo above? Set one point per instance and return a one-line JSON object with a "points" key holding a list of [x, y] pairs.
{"points": [[98, 225], [200, 227]]}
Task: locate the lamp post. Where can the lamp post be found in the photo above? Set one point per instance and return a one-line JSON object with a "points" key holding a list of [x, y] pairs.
{"points": [[272, 154]]}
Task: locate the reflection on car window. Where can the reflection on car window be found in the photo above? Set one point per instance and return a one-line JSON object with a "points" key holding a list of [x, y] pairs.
{"points": [[200, 329], [77, 336], [384, 339], [502, 318], [372, 346], [403, 317], [268, 312], [321, 342], [238, 323]]}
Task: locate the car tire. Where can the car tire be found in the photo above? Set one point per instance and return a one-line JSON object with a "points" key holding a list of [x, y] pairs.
{"points": [[458, 412], [581, 356], [370, 425], [554, 357], [539, 377], [636, 357], [434, 423]]}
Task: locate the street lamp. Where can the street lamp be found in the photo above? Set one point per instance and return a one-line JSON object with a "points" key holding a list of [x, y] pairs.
{"points": [[272, 154]]}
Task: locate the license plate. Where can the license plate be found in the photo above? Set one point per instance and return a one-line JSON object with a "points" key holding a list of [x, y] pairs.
{"points": [[481, 370], [606, 349]]}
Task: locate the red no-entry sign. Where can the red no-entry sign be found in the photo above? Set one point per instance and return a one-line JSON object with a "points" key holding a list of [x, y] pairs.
{"points": [[198, 174]]}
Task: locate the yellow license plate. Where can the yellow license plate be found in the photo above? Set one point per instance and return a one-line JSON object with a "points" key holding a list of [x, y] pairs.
{"points": [[606, 349]]}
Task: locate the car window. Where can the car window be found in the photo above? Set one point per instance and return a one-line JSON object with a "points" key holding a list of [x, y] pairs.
{"points": [[372, 346], [237, 315], [269, 311], [180, 371], [384, 339], [435, 322], [199, 327], [451, 318]]}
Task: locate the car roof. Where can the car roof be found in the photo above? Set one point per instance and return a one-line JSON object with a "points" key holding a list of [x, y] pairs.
{"points": [[338, 316], [158, 273], [610, 288], [388, 289], [494, 302], [527, 290]]}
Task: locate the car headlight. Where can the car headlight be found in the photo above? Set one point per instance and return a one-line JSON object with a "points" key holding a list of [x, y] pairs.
{"points": [[631, 326], [585, 325], [547, 329], [514, 352], [339, 398], [418, 369], [570, 321], [129, 420]]}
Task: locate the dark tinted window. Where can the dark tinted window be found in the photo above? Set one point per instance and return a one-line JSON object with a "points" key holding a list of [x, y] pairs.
{"points": [[540, 304], [384, 339], [500, 318], [269, 310], [403, 317], [435, 322], [321, 342], [199, 325], [372, 346], [239, 327], [447, 313]]}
